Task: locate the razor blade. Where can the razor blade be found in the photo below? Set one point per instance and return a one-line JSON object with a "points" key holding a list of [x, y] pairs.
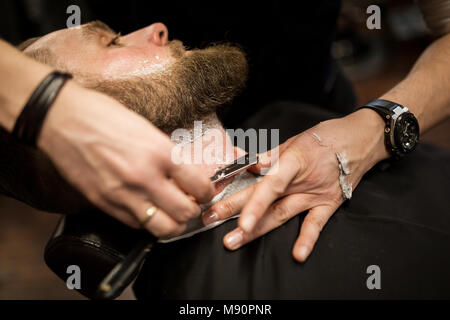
{"points": [[234, 168]]}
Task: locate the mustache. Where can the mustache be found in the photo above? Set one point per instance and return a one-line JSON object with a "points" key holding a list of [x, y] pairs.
{"points": [[194, 87], [176, 49]]}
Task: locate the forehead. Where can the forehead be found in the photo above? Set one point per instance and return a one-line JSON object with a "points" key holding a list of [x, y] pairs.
{"points": [[62, 37]]}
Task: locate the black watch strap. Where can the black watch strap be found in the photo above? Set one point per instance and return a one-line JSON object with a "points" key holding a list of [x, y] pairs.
{"points": [[382, 107], [386, 109]]}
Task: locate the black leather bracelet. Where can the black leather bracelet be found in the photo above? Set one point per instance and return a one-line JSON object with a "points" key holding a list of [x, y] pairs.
{"points": [[29, 123]]}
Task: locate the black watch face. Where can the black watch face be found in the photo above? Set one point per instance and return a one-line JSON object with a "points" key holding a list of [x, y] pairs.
{"points": [[406, 132]]}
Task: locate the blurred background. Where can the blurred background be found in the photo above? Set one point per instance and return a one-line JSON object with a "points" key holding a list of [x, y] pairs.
{"points": [[374, 61]]}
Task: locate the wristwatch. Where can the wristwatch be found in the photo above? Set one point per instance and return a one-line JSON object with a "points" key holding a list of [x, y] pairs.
{"points": [[401, 133]]}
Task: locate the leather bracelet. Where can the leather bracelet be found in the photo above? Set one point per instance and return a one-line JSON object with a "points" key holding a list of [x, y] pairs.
{"points": [[30, 121]]}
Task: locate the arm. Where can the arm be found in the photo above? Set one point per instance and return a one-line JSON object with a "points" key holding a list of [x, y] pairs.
{"points": [[426, 89], [116, 158], [19, 77], [307, 178]]}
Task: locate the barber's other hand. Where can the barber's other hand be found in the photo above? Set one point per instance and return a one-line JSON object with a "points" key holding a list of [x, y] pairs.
{"points": [[121, 162], [307, 179]]}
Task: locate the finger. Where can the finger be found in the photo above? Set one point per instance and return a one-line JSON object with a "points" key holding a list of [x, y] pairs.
{"points": [[169, 198], [160, 224], [278, 214], [313, 224], [268, 190], [228, 207], [267, 159], [193, 181], [134, 212]]}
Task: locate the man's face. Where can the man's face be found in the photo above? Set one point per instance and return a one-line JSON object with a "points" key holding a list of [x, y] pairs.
{"points": [[96, 49], [154, 77]]}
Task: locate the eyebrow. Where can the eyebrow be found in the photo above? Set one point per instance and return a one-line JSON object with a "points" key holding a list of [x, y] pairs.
{"points": [[95, 28]]}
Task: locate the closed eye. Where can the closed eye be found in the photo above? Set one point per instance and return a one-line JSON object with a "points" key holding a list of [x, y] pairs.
{"points": [[115, 41]]}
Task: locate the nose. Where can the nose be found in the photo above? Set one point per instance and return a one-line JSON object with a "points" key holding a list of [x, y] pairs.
{"points": [[158, 34]]}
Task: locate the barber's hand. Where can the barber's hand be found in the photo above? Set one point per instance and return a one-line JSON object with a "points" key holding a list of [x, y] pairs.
{"points": [[121, 162], [307, 179]]}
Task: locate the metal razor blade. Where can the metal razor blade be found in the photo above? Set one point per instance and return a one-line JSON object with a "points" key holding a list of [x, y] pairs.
{"points": [[234, 168]]}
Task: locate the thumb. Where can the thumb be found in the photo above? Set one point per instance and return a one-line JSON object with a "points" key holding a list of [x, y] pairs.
{"points": [[264, 162], [269, 158]]}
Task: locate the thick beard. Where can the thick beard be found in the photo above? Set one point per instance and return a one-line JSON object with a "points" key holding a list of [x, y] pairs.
{"points": [[191, 89]]}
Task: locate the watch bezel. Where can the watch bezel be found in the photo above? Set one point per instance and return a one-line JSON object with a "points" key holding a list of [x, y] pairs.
{"points": [[393, 133], [398, 132]]}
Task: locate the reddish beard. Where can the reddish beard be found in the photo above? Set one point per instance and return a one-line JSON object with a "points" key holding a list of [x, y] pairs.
{"points": [[192, 88]]}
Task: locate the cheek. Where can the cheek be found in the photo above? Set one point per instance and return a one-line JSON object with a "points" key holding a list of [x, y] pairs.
{"points": [[120, 62]]}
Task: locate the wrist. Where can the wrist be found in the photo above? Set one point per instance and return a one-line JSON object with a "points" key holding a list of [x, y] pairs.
{"points": [[369, 128], [59, 116]]}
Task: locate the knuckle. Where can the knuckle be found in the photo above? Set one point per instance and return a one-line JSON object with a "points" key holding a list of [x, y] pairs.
{"points": [[260, 205], [208, 189], [187, 213], [104, 191], [202, 180], [316, 221], [94, 197], [281, 212], [336, 198], [134, 176], [181, 217], [193, 211], [258, 230], [300, 158], [175, 169], [205, 191], [225, 208], [276, 184], [140, 173]]}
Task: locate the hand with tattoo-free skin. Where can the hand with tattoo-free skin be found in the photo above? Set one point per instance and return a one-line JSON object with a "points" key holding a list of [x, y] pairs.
{"points": [[122, 163], [306, 179]]}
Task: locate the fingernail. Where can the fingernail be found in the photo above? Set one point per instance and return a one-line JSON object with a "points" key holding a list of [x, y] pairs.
{"points": [[210, 217], [248, 222], [234, 240], [303, 253]]}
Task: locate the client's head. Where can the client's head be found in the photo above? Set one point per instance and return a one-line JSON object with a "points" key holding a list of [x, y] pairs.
{"points": [[151, 75]]}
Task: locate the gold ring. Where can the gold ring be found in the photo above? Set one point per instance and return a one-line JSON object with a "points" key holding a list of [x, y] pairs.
{"points": [[149, 214]]}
